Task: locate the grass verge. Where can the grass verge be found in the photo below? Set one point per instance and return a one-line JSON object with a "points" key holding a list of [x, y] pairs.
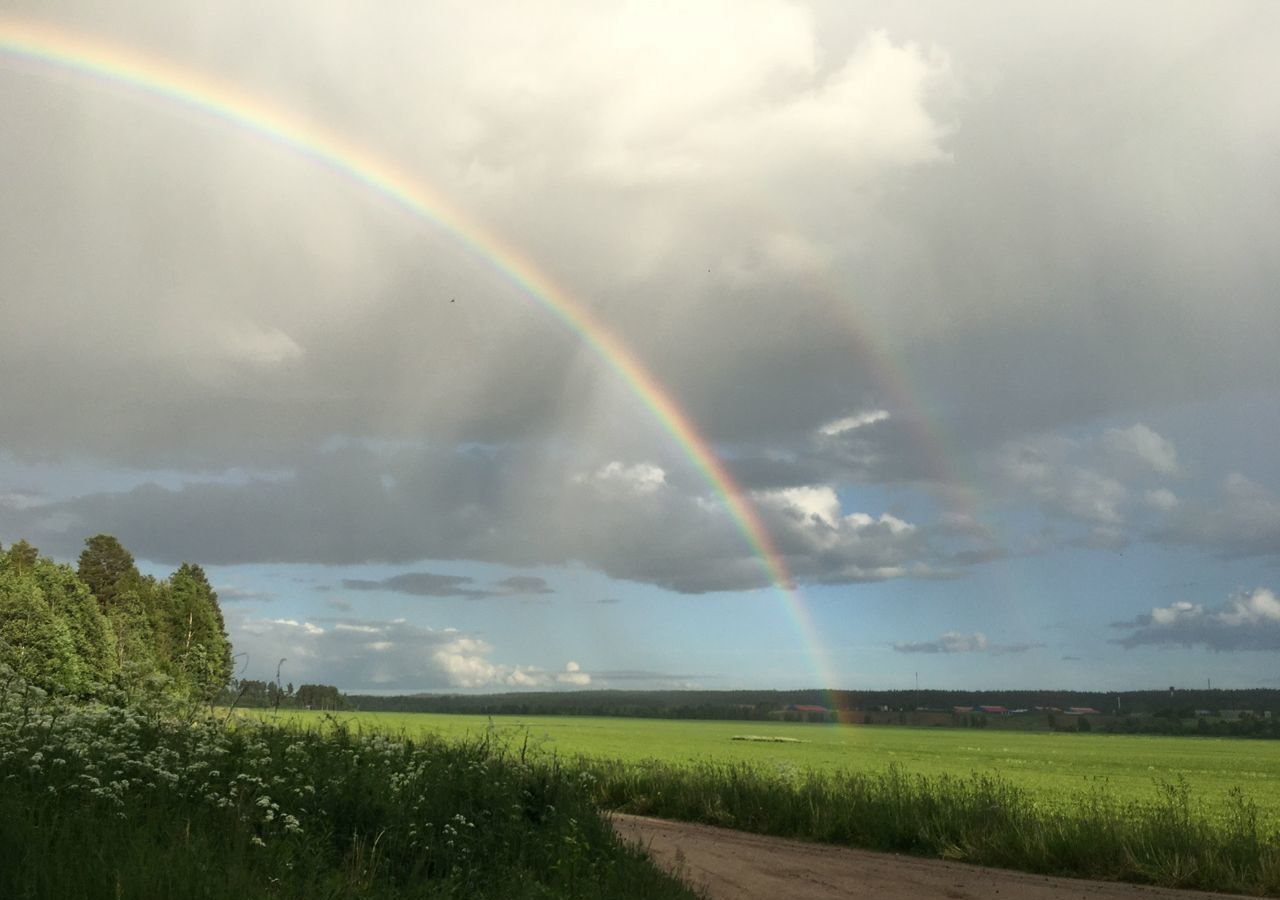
{"points": [[1165, 841]]}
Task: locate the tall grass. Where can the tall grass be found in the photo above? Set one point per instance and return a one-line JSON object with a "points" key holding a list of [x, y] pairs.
{"points": [[1166, 840], [124, 803]]}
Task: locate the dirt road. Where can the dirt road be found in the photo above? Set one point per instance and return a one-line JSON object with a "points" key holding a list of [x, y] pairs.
{"points": [[734, 865]]}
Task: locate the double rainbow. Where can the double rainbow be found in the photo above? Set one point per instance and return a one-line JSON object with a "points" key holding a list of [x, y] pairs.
{"points": [[54, 48]]}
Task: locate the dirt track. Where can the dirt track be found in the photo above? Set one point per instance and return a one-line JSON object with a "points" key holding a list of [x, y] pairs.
{"points": [[734, 865]]}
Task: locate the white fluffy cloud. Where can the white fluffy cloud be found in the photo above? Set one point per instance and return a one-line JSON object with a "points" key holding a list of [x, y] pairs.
{"points": [[1143, 446], [852, 423], [638, 479], [824, 543], [362, 654], [1247, 621]]}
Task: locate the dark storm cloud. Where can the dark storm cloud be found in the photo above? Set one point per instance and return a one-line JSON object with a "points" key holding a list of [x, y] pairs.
{"points": [[1242, 521], [959, 642], [606, 676], [420, 584], [864, 209], [430, 584], [882, 450], [523, 584], [624, 520], [232, 594]]}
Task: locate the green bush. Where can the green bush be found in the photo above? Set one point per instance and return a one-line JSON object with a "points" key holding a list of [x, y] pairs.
{"points": [[102, 802]]}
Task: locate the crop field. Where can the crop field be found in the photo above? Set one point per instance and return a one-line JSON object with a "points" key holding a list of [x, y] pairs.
{"points": [[1055, 769]]}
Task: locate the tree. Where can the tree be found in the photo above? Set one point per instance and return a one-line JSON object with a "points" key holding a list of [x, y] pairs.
{"points": [[91, 633], [22, 557], [201, 649], [74, 631], [320, 696], [135, 639], [107, 569], [34, 641]]}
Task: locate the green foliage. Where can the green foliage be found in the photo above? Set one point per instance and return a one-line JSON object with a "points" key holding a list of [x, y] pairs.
{"points": [[34, 641], [319, 696], [198, 636], [108, 625], [107, 569], [101, 803], [22, 557], [91, 632], [136, 650]]}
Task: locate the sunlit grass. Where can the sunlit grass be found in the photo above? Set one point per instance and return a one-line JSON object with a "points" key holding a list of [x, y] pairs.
{"points": [[1052, 769]]}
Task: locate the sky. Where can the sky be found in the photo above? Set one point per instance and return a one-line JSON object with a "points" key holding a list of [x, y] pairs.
{"points": [[972, 309]]}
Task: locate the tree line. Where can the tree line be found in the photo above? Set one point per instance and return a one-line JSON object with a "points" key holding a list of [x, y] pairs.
{"points": [[104, 625], [749, 705], [271, 695]]}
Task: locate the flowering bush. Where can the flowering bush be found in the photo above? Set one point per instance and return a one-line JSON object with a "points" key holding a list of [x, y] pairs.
{"points": [[103, 801]]}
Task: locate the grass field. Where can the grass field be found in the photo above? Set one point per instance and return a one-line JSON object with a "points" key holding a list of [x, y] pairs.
{"points": [[1055, 769]]}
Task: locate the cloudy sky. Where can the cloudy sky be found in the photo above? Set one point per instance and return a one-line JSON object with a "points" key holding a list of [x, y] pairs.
{"points": [[977, 303]]}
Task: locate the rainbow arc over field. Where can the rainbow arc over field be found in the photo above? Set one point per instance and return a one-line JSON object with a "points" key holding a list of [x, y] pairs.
{"points": [[47, 48]]}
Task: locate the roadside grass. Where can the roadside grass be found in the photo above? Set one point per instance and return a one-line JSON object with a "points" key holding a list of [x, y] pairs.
{"points": [[1167, 840], [101, 802]]}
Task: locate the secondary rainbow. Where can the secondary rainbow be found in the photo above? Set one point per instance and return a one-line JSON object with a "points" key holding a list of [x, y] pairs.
{"points": [[61, 50]]}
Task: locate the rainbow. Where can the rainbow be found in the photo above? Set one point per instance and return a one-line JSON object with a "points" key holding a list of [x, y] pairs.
{"points": [[50, 48]]}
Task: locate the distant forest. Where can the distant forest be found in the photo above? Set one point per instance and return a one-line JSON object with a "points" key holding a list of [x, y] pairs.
{"points": [[104, 627], [760, 705]]}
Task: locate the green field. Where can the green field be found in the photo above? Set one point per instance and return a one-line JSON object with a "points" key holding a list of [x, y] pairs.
{"points": [[1055, 768]]}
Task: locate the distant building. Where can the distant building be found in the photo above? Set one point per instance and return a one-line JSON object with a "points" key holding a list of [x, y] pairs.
{"points": [[1082, 711], [994, 710]]}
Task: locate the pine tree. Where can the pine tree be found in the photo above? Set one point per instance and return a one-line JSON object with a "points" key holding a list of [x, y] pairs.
{"points": [[107, 568]]}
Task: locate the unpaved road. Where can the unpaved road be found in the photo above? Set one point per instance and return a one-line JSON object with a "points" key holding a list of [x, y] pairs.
{"points": [[734, 865]]}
